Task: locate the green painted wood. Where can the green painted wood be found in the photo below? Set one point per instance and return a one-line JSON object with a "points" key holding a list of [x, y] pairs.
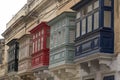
{"points": [[62, 35]]}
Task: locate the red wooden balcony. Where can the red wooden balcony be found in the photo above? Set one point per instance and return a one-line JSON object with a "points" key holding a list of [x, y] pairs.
{"points": [[40, 41]]}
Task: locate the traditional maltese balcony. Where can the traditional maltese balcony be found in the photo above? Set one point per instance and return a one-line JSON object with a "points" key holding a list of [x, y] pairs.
{"points": [[94, 27], [40, 42], [13, 56], [94, 40], [25, 47], [62, 49]]}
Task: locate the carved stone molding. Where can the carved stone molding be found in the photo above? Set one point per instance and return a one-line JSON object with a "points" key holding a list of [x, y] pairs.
{"points": [[96, 62], [65, 72]]}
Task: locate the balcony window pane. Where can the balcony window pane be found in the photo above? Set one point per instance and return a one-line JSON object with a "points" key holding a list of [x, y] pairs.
{"points": [[78, 15], [90, 8], [107, 18], [89, 25], [41, 42], [83, 26], [78, 29], [55, 39], [96, 4], [84, 11], [42, 32], [96, 20], [48, 41], [38, 44], [107, 2], [33, 47]]}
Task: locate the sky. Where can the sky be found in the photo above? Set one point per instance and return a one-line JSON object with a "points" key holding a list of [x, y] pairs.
{"points": [[8, 8]]}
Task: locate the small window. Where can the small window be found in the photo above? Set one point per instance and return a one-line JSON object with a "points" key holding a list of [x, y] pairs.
{"points": [[96, 20], [71, 36], [33, 47], [90, 7], [63, 35], [38, 44], [48, 41], [39, 33], [84, 11], [78, 29], [55, 39], [107, 2], [111, 77], [78, 15], [36, 35], [89, 25], [96, 4], [33, 36], [41, 42], [83, 26], [60, 37], [77, 49], [42, 32], [107, 18]]}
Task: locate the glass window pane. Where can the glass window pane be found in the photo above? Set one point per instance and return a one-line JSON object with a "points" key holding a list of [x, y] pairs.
{"points": [[96, 20], [78, 15], [38, 44], [48, 41], [63, 36], [36, 35], [42, 32], [33, 47], [96, 4], [39, 33], [107, 2], [89, 25], [84, 11], [107, 18], [55, 39], [78, 29], [41, 42], [83, 26], [89, 8]]}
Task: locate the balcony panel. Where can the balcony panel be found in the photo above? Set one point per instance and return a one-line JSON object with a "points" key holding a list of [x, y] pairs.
{"points": [[99, 42]]}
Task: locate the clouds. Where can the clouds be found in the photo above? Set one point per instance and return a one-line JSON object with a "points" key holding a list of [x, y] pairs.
{"points": [[9, 8]]}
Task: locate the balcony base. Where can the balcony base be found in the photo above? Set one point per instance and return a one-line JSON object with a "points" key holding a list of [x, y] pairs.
{"points": [[42, 73], [95, 62], [64, 72]]}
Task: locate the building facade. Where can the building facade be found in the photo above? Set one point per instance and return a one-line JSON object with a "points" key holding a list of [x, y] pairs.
{"points": [[62, 34], [2, 59], [95, 55], [24, 61], [40, 51]]}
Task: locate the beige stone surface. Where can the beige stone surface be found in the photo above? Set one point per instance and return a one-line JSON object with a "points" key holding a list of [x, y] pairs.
{"points": [[117, 26]]}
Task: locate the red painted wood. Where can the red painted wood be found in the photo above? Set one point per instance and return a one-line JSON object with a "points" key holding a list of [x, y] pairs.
{"points": [[40, 57]]}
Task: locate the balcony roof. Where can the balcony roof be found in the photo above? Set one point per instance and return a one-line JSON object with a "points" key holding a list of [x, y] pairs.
{"points": [[11, 42], [61, 16], [38, 27], [23, 37], [80, 4]]}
